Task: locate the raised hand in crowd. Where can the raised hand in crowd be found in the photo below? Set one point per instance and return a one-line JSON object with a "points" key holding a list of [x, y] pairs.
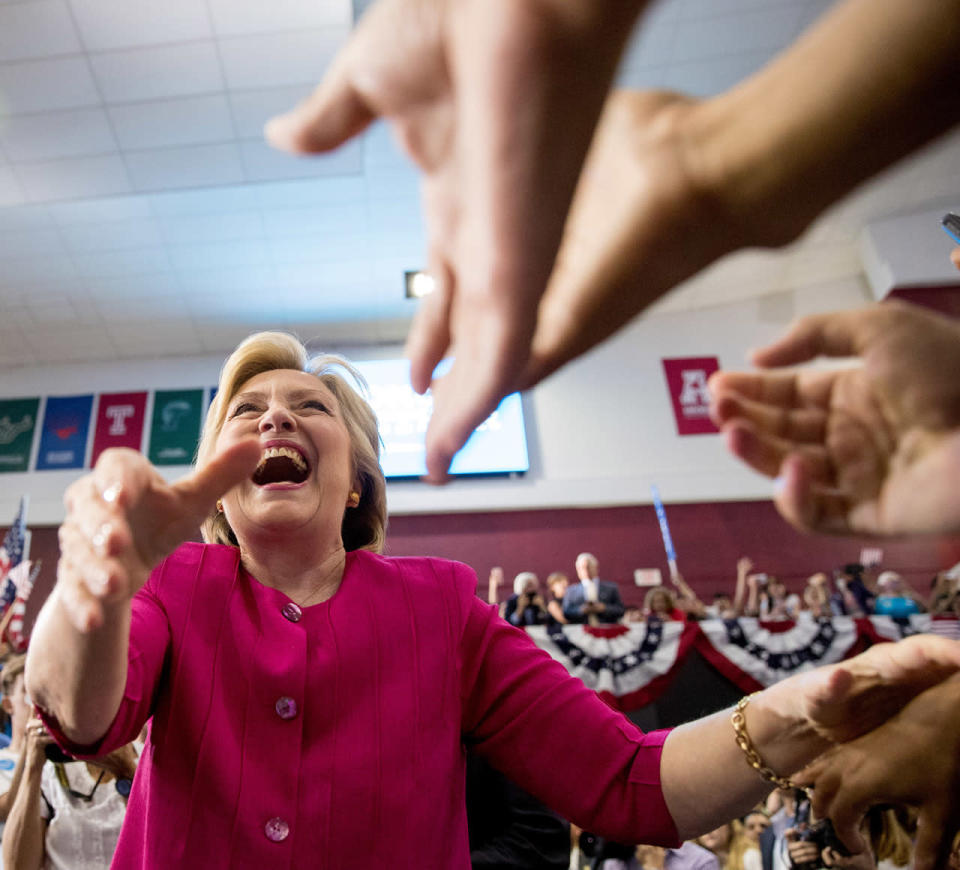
{"points": [[494, 584], [122, 519], [873, 449], [912, 759], [497, 100]]}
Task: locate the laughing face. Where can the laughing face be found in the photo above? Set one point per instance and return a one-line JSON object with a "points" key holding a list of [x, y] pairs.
{"points": [[305, 473]]}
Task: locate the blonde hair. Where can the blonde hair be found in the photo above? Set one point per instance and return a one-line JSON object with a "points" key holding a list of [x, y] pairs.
{"points": [[363, 527], [12, 668]]}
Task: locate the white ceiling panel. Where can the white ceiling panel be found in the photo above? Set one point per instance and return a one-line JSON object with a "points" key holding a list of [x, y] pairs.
{"points": [[113, 236], [118, 264], [46, 269], [242, 17], [37, 29], [98, 210], [113, 24], [30, 243], [197, 229], [11, 192], [72, 133], [192, 166], [219, 255], [311, 191], [166, 71], [104, 290], [25, 217], [203, 200], [275, 59], [47, 85], [75, 178], [183, 121]]}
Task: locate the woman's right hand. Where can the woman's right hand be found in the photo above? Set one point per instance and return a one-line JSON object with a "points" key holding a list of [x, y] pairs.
{"points": [[123, 518]]}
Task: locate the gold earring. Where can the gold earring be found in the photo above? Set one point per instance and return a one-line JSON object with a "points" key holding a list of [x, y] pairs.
{"points": [[219, 506], [354, 499]]}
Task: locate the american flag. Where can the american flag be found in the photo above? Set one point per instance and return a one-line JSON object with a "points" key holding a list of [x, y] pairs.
{"points": [[24, 576], [12, 553]]}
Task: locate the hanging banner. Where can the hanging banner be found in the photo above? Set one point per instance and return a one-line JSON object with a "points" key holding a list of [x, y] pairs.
{"points": [[120, 420], [687, 382], [63, 435], [18, 422], [175, 427]]}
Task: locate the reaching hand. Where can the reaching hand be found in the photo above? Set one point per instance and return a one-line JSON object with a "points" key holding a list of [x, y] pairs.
{"points": [[912, 759], [496, 102], [872, 449], [123, 518]]}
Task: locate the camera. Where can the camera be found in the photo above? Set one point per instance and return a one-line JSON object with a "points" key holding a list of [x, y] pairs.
{"points": [[55, 754], [820, 833]]}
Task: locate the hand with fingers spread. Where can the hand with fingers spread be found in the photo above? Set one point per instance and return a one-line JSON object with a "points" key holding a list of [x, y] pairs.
{"points": [[871, 449], [913, 759], [123, 518], [452, 77]]}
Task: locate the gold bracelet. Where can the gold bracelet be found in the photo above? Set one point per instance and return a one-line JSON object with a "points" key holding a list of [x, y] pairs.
{"points": [[739, 721]]}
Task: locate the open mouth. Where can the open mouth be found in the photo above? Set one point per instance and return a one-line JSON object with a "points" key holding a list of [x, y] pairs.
{"points": [[281, 465]]}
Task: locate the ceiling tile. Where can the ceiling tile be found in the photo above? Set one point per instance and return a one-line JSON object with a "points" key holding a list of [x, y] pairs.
{"points": [[219, 255], [112, 24], [113, 236], [36, 30], [156, 73], [273, 60], [11, 193], [31, 243], [98, 210], [115, 264], [310, 191], [75, 178], [185, 167], [225, 282], [195, 229], [263, 163], [45, 85], [183, 121], [337, 219], [72, 133], [25, 217], [715, 35], [47, 269], [204, 200], [236, 17], [104, 289]]}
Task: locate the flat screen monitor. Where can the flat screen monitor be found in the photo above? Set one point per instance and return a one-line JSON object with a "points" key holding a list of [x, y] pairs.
{"points": [[498, 446]]}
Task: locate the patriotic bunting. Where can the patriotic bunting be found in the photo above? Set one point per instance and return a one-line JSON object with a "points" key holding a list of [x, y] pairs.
{"points": [[630, 666]]}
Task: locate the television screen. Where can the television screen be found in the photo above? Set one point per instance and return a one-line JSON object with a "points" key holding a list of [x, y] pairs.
{"points": [[498, 446]]}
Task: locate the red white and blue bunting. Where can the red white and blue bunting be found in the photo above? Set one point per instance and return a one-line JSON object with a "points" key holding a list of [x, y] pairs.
{"points": [[630, 666]]}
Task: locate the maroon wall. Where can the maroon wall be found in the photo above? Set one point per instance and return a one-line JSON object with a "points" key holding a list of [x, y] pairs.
{"points": [[709, 538]]}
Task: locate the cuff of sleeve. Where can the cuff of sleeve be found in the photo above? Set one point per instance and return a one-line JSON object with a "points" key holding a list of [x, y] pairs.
{"points": [[52, 725], [646, 774]]}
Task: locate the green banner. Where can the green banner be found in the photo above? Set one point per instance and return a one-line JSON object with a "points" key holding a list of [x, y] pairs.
{"points": [[18, 421], [175, 429]]}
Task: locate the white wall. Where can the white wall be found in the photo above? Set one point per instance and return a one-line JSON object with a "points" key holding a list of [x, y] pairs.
{"points": [[601, 430]]}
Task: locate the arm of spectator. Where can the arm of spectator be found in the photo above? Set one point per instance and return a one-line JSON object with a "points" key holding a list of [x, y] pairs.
{"points": [[753, 601], [555, 609], [912, 759], [814, 430], [122, 519], [494, 584], [7, 798], [25, 828], [744, 566]]}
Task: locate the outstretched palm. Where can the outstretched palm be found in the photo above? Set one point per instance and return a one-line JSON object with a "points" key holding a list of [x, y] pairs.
{"points": [[873, 449]]}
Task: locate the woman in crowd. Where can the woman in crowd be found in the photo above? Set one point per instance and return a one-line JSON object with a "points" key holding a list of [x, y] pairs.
{"points": [[310, 699], [67, 815], [745, 848], [557, 583], [659, 603], [525, 606]]}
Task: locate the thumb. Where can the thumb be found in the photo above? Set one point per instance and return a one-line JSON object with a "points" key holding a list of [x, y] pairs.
{"points": [[224, 471], [837, 334], [334, 113]]}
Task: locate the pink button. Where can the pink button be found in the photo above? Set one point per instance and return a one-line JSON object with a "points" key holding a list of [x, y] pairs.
{"points": [[276, 829], [291, 611], [286, 707]]}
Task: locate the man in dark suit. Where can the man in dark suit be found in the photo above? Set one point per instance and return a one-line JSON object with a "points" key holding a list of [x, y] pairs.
{"points": [[591, 600]]}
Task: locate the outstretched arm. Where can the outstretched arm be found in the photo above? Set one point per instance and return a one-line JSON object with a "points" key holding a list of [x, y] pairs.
{"points": [[122, 519]]}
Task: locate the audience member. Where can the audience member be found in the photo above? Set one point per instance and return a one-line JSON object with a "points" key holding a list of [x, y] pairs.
{"points": [[895, 597], [494, 583], [687, 856], [557, 584], [888, 846], [852, 597], [745, 848], [525, 606], [816, 596], [67, 815], [17, 707], [659, 603], [592, 599], [719, 841]]}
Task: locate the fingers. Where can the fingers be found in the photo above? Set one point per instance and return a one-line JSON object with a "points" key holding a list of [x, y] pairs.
{"points": [[199, 491], [837, 334], [934, 839], [429, 336], [805, 425], [766, 453]]}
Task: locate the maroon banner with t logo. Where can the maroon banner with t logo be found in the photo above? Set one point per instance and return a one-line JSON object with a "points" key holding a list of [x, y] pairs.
{"points": [[120, 421], [687, 382]]}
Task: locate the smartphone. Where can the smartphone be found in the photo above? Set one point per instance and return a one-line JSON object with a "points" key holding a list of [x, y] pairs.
{"points": [[951, 225]]}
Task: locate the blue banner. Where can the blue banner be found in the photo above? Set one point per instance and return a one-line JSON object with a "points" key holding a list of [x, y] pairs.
{"points": [[664, 527], [63, 437]]}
